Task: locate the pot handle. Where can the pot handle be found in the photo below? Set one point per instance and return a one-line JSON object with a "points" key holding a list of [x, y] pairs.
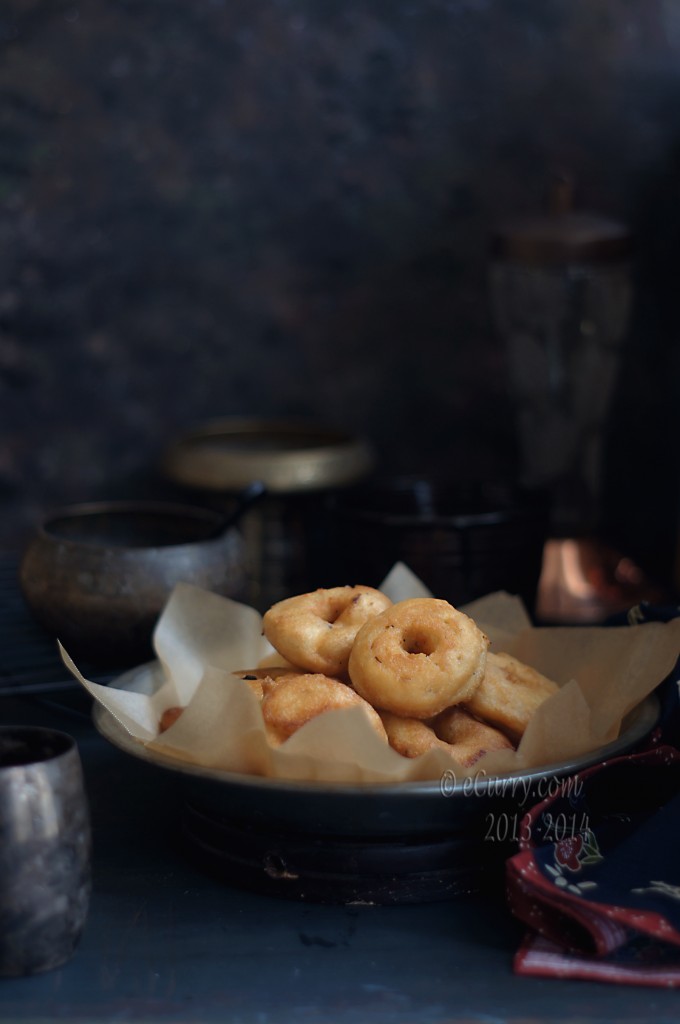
{"points": [[251, 494]]}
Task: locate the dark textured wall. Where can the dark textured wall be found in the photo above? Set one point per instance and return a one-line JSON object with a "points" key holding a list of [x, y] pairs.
{"points": [[267, 207]]}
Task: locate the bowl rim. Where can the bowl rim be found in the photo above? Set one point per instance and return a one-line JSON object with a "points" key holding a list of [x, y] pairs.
{"points": [[89, 510], [517, 505], [641, 721], [216, 455]]}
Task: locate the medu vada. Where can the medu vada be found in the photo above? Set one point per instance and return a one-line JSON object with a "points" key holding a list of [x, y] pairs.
{"points": [[292, 699], [169, 717], [418, 657], [410, 737], [253, 677], [461, 736], [462, 730], [509, 694], [315, 631]]}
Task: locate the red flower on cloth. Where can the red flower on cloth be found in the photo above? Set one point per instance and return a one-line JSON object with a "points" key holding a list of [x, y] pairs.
{"points": [[567, 852], [574, 853], [616, 928]]}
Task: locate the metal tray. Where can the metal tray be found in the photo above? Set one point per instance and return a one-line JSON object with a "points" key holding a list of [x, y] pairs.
{"points": [[375, 843]]}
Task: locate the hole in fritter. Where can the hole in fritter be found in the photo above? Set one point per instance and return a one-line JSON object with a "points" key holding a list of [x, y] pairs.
{"points": [[417, 642], [333, 613]]}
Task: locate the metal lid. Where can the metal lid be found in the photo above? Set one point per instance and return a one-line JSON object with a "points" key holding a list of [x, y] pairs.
{"points": [[286, 455], [562, 235]]}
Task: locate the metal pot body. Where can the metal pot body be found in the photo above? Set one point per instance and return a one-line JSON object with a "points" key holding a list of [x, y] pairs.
{"points": [[97, 577]]}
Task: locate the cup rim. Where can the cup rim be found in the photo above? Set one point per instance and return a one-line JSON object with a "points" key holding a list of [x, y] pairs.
{"points": [[61, 740]]}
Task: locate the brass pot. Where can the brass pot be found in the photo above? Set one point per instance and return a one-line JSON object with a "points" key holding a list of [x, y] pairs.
{"points": [[97, 575], [301, 464]]}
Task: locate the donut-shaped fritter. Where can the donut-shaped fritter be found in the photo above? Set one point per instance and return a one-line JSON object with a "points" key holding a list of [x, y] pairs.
{"points": [[315, 631], [418, 658], [275, 661], [254, 677], [169, 717], [468, 739], [410, 737], [291, 700], [461, 729], [509, 694]]}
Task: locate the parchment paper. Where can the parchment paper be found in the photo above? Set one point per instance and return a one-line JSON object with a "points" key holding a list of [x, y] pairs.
{"points": [[201, 639]]}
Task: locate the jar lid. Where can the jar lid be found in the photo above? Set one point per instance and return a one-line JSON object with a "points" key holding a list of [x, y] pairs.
{"points": [[286, 455], [562, 235]]}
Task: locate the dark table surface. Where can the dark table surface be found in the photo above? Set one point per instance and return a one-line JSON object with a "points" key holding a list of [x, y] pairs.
{"points": [[165, 941]]}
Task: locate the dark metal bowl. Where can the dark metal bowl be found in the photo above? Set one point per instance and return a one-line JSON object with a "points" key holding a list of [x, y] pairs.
{"points": [[97, 576], [407, 842], [463, 540]]}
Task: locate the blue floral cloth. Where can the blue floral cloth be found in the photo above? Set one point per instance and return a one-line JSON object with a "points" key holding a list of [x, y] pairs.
{"points": [[598, 878]]}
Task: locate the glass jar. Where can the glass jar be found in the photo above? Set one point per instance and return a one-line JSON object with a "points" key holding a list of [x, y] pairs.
{"points": [[561, 296]]}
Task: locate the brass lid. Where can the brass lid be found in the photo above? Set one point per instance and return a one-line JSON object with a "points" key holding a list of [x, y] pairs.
{"points": [[286, 455], [562, 235]]}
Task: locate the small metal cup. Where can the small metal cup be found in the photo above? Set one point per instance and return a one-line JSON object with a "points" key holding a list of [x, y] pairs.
{"points": [[45, 843]]}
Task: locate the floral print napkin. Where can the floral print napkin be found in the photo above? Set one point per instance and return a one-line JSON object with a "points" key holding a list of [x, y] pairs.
{"points": [[597, 876]]}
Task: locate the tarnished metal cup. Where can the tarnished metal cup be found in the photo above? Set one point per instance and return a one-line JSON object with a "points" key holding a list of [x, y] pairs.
{"points": [[45, 844]]}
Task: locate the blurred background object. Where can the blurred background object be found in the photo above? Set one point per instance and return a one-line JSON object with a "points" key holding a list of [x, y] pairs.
{"points": [[584, 579], [562, 294], [462, 541], [97, 576], [281, 210], [301, 465]]}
